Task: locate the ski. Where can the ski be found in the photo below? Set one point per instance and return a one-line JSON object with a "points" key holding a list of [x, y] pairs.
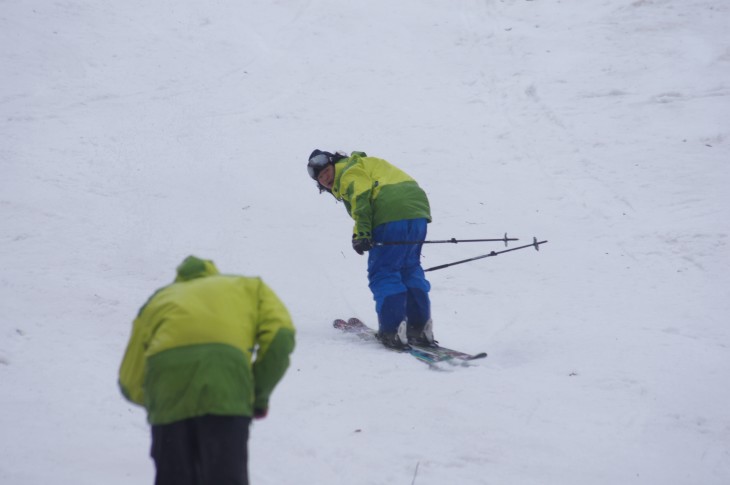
{"points": [[429, 355]]}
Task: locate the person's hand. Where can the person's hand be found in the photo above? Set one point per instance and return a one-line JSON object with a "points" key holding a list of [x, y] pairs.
{"points": [[260, 413], [361, 245]]}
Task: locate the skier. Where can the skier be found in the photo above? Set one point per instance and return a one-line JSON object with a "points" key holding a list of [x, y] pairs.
{"points": [[189, 363], [387, 205]]}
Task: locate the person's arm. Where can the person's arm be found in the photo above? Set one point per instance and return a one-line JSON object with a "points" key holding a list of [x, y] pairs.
{"points": [[131, 371], [358, 187], [275, 340]]}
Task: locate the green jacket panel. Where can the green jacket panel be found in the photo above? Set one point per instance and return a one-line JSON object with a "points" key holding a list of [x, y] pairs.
{"points": [[196, 380], [375, 192], [192, 345]]}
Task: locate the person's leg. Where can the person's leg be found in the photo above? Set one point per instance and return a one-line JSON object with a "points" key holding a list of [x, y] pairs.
{"points": [[385, 278], [223, 449], [418, 303], [418, 308], [174, 450]]}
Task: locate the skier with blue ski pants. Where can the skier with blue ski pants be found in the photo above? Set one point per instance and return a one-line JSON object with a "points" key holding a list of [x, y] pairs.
{"points": [[387, 206]]}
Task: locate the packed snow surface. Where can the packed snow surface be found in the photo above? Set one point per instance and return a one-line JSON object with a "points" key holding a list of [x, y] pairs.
{"points": [[135, 133]]}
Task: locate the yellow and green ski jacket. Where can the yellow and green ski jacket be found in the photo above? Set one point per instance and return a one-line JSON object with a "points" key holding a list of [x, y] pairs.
{"points": [[375, 192], [192, 346]]}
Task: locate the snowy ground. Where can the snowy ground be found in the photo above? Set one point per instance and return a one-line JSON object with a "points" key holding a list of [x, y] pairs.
{"points": [[135, 133]]}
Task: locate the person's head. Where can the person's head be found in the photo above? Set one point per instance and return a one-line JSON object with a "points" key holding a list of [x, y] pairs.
{"points": [[193, 267], [321, 167]]}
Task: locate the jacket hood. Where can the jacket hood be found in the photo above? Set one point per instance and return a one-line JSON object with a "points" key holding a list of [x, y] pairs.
{"points": [[354, 156], [193, 267]]}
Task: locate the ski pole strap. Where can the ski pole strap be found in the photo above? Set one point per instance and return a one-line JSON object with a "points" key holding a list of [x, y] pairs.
{"points": [[535, 244], [453, 240]]}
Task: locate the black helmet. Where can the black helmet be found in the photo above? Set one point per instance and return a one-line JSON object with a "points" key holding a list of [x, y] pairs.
{"points": [[318, 160]]}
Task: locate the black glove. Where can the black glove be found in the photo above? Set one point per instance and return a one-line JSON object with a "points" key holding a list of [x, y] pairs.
{"points": [[361, 245]]}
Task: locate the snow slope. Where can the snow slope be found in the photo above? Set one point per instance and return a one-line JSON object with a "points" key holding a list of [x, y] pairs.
{"points": [[135, 133]]}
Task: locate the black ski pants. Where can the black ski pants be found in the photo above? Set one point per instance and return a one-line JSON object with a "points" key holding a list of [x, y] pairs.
{"points": [[207, 450]]}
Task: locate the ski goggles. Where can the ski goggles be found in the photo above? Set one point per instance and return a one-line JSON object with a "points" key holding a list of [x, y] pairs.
{"points": [[317, 163]]}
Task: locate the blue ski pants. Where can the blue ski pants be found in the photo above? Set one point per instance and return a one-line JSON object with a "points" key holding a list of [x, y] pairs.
{"points": [[396, 277]]}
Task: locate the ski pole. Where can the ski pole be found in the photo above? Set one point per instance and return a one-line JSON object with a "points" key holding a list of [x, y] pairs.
{"points": [[535, 244], [452, 240]]}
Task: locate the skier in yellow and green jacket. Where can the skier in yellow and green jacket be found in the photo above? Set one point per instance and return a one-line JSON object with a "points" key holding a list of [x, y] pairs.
{"points": [[190, 363], [388, 206]]}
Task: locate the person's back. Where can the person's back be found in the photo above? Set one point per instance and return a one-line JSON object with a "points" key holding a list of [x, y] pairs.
{"points": [[202, 336], [190, 356], [376, 192]]}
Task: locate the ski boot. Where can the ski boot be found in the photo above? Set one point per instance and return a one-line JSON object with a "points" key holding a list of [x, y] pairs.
{"points": [[423, 336], [395, 340]]}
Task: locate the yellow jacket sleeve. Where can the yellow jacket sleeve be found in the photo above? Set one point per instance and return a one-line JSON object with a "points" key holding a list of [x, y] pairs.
{"points": [[131, 372], [275, 341]]}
